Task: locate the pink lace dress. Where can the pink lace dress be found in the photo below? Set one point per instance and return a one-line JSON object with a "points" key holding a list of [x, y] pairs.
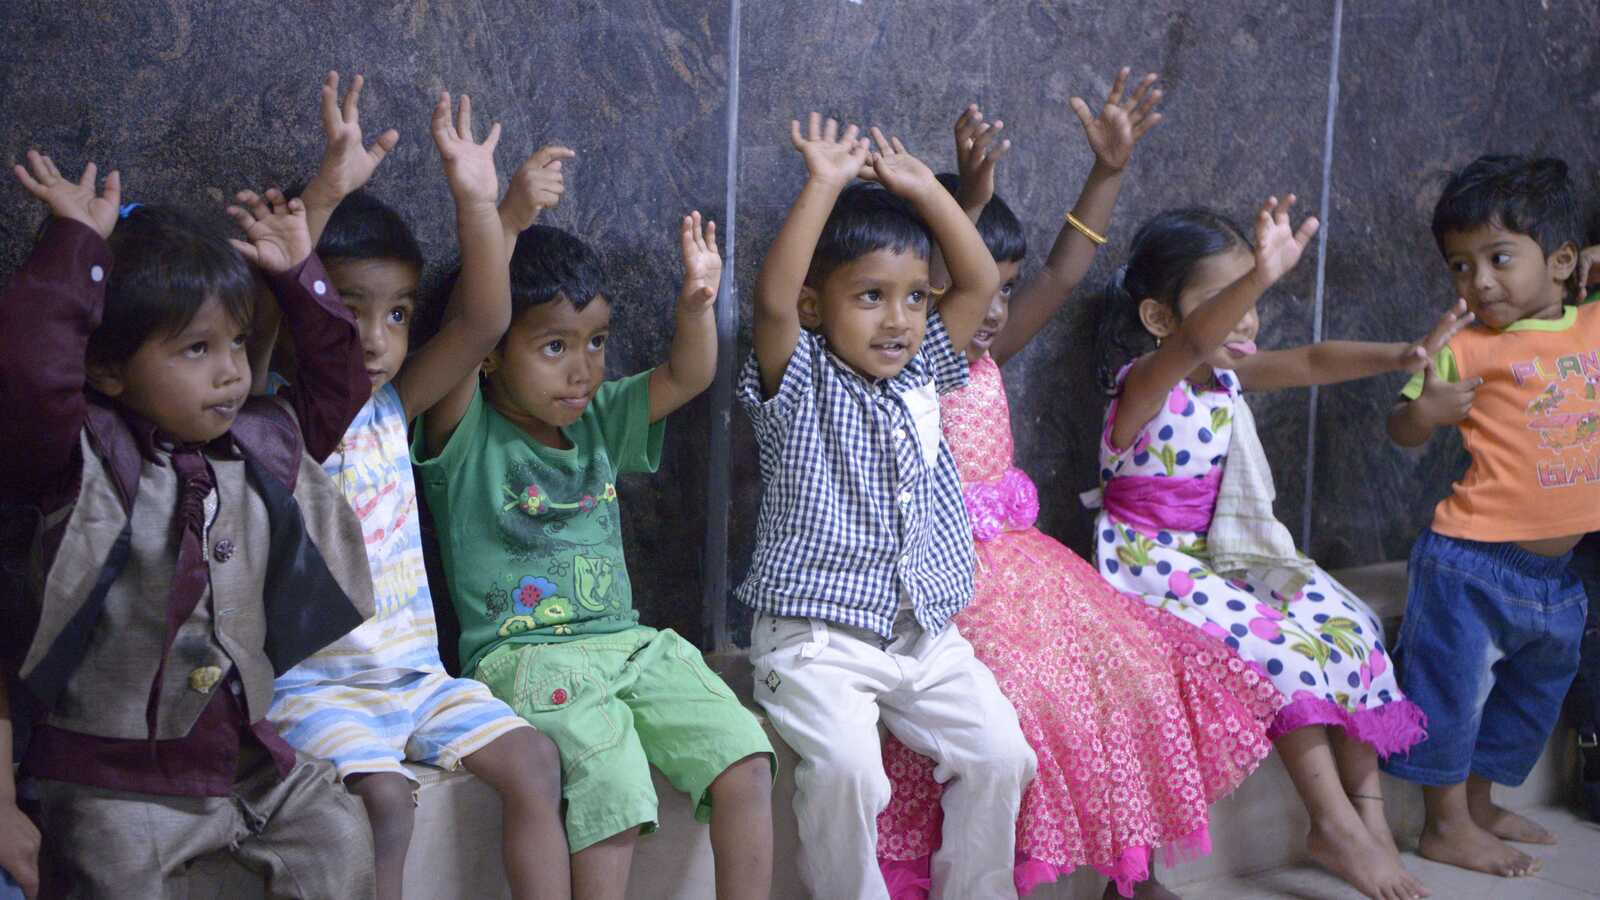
{"points": [[1139, 720]]}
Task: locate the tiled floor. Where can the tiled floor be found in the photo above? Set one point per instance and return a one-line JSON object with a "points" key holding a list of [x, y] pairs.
{"points": [[1571, 872]]}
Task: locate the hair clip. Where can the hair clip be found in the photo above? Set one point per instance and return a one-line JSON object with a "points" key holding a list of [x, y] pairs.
{"points": [[127, 209]]}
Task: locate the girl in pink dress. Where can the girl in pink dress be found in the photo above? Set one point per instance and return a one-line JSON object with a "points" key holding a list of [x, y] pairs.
{"points": [[1139, 720]]}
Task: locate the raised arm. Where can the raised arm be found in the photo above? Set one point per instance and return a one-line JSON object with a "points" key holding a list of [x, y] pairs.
{"points": [[330, 382], [538, 185], [1153, 376], [692, 361], [480, 307], [973, 275], [1332, 362], [347, 164], [1113, 134], [48, 310], [832, 161]]}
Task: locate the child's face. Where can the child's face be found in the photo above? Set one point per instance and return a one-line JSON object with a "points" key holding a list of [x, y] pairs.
{"points": [[1504, 276], [872, 310], [190, 384], [999, 310], [382, 295], [549, 365], [1209, 278]]}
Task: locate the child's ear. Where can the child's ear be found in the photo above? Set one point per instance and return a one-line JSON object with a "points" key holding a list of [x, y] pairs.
{"points": [[810, 308], [1563, 262], [1157, 318], [106, 378]]}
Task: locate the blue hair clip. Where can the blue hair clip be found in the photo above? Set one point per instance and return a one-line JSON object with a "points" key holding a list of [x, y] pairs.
{"points": [[127, 209]]}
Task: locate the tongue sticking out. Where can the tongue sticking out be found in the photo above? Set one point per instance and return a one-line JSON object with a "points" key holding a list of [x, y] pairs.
{"points": [[1241, 348]]}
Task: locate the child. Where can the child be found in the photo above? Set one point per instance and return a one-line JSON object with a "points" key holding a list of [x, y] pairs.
{"points": [[1494, 616], [1110, 787], [380, 695], [862, 550], [1181, 462], [520, 474], [192, 547]]}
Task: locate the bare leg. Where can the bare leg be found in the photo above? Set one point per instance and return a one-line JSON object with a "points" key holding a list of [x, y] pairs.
{"points": [[1451, 836], [1499, 821], [1358, 772], [1339, 841], [393, 812], [524, 767], [741, 829], [600, 871]]}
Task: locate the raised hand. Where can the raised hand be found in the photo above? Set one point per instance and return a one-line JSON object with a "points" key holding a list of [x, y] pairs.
{"points": [[895, 168], [976, 156], [702, 264], [75, 200], [276, 228], [346, 163], [537, 185], [1419, 355], [1122, 122], [1278, 244], [468, 164], [829, 156]]}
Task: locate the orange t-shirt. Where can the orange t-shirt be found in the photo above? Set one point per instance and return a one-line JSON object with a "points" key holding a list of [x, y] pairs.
{"points": [[1533, 431]]}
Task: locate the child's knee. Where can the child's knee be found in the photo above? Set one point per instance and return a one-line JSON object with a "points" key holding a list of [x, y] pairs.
{"points": [[746, 783], [390, 801]]}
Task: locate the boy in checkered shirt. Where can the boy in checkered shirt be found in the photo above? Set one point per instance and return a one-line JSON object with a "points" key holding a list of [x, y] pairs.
{"points": [[863, 552]]}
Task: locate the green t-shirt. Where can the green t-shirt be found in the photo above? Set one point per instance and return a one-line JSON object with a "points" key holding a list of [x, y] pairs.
{"points": [[531, 536]]}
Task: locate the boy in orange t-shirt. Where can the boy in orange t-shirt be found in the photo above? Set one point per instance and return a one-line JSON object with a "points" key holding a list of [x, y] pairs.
{"points": [[1494, 614]]}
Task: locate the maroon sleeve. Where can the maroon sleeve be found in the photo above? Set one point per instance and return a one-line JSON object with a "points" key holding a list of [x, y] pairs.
{"points": [[47, 312], [330, 382]]}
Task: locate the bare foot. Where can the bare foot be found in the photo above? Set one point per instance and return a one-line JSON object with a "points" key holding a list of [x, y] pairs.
{"points": [[1507, 825], [1370, 809], [1353, 855], [1467, 845], [1149, 889]]}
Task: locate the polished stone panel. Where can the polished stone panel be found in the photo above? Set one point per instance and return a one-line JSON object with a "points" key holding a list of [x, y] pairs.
{"points": [[1509, 78], [193, 102]]}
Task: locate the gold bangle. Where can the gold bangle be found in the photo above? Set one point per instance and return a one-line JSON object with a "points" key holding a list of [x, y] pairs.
{"points": [[1086, 231]]}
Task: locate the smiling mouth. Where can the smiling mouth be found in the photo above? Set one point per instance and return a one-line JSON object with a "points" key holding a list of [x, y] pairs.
{"points": [[983, 337]]}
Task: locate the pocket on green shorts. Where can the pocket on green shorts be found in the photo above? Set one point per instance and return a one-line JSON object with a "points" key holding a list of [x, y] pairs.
{"points": [[571, 704]]}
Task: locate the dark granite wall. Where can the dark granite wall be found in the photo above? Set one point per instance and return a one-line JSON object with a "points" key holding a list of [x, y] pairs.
{"points": [[192, 104]]}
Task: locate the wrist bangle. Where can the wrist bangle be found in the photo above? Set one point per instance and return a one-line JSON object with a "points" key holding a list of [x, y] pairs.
{"points": [[1086, 231]]}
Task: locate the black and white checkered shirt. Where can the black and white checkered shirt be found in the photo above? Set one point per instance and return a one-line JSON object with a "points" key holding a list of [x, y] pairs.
{"points": [[862, 503]]}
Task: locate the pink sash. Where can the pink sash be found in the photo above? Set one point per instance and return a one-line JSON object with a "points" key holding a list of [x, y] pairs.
{"points": [[1151, 503], [1008, 503]]}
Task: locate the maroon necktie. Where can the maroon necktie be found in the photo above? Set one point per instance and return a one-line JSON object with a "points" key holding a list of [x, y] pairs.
{"points": [[191, 575]]}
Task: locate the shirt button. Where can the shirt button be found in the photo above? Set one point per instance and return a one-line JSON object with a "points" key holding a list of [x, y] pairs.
{"points": [[899, 434], [96, 274], [905, 498], [203, 679], [223, 551], [319, 287]]}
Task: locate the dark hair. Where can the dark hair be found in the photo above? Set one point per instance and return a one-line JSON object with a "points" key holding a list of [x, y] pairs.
{"points": [[165, 265], [867, 218], [1000, 227], [550, 263], [1527, 196], [1165, 251], [364, 227]]}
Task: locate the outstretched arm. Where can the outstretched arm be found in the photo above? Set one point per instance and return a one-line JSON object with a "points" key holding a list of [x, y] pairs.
{"points": [[692, 362], [49, 308], [1153, 376], [346, 163], [973, 276], [832, 161], [1333, 362], [1113, 134]]}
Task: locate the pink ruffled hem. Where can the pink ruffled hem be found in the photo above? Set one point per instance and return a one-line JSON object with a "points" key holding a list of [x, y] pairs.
{"points": [[909, 879], [1390, 728]]}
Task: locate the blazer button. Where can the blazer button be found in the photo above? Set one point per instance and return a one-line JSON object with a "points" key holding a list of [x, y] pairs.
{"points": [[223, 551], [203, 679]]}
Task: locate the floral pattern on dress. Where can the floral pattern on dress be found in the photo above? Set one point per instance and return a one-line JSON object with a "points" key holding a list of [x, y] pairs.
{"points": [[1139, 721], [1323, 648]]}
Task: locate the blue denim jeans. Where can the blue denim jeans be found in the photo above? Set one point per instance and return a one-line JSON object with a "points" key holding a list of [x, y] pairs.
{"points": [[1488, 648]]}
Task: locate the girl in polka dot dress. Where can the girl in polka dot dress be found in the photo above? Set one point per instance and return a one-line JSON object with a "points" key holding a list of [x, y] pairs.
{"points": [[1178, 339]]}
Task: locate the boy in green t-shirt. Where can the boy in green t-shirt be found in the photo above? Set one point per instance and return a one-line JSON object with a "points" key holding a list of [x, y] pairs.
{"points": [[520, 471]]}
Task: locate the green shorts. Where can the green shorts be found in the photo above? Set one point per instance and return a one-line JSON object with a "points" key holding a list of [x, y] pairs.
{"points": [[616, 704]]}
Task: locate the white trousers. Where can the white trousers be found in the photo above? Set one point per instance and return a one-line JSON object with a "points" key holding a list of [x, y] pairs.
{"points": [[824, 686]]}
